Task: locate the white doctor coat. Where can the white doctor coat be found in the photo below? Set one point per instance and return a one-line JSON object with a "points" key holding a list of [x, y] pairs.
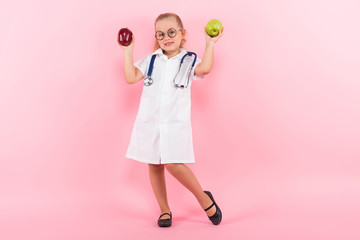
{"points": [[162, 130]]}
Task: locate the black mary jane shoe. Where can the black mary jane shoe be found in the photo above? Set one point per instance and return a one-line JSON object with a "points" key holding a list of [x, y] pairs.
{"points": [[165, 222], [216, 218]]}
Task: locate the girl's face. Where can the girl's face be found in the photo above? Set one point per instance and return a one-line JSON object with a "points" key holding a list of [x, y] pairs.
{"points": [[164, 28]]}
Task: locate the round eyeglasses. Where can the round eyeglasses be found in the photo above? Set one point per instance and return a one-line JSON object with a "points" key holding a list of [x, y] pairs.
{"points": [[159, 35]]}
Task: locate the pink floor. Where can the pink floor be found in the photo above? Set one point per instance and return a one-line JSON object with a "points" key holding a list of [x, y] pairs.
{"points": [[318, 207]]}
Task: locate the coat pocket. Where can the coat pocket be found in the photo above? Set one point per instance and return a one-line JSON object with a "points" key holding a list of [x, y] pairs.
{"points": [[184, 109]]}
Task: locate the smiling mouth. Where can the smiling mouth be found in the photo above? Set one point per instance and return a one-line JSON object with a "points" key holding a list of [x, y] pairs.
{"points": [[168, 43]]}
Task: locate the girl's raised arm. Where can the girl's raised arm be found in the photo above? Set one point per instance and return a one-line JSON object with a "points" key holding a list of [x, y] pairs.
{"points": [[205, 66], [131, 73]]}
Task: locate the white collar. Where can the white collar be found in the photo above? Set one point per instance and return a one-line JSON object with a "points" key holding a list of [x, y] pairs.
{"points": [[160, 52]]}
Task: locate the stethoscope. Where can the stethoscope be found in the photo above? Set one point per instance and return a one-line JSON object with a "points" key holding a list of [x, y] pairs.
{"points": [[148, 80]]}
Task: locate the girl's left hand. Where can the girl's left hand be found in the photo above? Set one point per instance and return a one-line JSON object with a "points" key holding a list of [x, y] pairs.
{"points": [[213, 39]]}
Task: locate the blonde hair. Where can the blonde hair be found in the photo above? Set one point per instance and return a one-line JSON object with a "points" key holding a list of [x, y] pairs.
{"points": [[178, 21]]}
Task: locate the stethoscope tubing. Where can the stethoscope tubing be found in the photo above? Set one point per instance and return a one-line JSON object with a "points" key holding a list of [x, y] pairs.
{"points": [[148, 80]]}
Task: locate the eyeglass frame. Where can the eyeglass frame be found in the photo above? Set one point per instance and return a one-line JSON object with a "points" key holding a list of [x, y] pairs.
{"points": [[167, 33]]}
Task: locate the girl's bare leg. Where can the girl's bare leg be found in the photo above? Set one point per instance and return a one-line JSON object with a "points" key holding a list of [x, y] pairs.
{"points": [[186, 177], [157, 179]]}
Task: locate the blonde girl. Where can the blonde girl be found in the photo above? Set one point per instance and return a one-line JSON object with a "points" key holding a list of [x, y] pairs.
{"points": [[162, 134]]}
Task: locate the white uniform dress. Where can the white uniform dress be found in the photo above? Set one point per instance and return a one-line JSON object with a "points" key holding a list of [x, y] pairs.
{"points": [[162, 130]]}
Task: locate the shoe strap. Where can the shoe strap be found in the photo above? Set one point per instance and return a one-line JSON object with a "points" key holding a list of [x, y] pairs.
{"points": [[209, 207], [164, 214]]}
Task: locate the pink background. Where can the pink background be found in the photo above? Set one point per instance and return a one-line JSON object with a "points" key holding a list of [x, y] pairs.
{"points": [[275, 124]]}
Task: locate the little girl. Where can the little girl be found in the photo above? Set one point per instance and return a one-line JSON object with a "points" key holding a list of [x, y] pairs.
{"points": [[162, 134]]}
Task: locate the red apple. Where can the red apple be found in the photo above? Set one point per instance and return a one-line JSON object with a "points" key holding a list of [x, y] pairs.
{"points": [[125, 36]]}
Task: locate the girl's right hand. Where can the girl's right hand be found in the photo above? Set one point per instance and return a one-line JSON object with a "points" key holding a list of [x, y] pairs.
{"points": [[130, 46]]}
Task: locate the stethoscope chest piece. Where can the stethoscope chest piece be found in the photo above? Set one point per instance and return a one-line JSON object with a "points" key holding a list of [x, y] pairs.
{"points": [[148, 81]]}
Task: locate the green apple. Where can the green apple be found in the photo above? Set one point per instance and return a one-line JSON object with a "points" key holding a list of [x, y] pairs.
{"points": [[213, 27]]}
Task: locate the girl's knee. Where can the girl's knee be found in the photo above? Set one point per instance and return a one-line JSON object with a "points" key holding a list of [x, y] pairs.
{"points": [[156, 166], [172, 166]]}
